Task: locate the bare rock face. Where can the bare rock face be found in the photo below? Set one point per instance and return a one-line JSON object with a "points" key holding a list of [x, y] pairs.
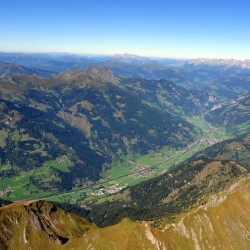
{"points": [[40, 216], [38, 225]]}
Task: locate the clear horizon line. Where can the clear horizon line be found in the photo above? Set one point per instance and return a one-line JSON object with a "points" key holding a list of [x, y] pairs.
{"points": [[110, 55]]}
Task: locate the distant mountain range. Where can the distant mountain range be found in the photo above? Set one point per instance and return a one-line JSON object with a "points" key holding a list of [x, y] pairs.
{"points": [[36, 59], [10, 69], [130, 58], [220, 77], [232, 65]]}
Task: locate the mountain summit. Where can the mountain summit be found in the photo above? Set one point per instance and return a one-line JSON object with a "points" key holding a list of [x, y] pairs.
{"points": [[91, 77]]}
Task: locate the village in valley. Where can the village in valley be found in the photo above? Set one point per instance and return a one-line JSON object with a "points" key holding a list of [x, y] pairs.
{"points": [[109, 190], [129, 170], [6, 192], [139, 172]]}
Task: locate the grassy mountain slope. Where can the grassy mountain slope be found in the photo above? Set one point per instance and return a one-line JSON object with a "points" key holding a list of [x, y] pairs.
{"points": [[60, 132], [121, 117], [229, 87], [237, 149], [234, 115], [171, 193], [180, 188], [222, 222], [39, 151], [167, 95]]}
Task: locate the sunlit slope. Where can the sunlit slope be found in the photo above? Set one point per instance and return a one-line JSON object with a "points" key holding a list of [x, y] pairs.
{"points": [[166, 196], [222, 223]]}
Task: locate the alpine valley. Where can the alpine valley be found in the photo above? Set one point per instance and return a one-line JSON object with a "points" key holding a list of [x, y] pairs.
{"points": [[124, 152]]}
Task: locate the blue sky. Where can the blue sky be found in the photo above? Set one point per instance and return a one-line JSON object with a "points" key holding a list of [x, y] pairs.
{"points": [[153, 28]]}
